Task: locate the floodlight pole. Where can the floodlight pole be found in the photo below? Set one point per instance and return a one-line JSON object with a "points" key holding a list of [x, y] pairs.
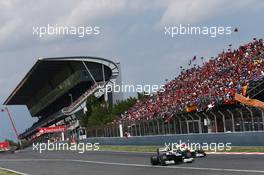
{"points": [[70, 95], [103, 72], [12, 122]]}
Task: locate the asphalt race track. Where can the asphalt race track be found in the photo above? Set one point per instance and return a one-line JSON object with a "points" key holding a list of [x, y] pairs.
{"points": [[120, 163]]}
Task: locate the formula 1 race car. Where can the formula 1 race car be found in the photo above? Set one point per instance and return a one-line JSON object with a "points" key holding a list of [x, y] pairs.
{"points": [[198, 153], [194, 151], [165, 156]]}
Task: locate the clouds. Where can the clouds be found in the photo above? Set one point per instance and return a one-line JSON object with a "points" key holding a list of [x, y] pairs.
{"points": [[19, 17], [131, 32], [91, 11], [197, 11]]}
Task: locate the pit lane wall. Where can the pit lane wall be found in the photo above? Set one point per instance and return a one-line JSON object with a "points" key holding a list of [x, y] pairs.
{"points": [[236, 139]]}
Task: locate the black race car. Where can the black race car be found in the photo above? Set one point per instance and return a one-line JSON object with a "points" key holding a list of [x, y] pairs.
{"points": [[165, 156]]}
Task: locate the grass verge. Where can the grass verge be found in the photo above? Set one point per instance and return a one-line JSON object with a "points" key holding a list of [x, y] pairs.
{"points": [[4, 172]]}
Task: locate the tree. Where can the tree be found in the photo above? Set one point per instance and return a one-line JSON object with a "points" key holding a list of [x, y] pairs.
{"points": [[99, 114]]}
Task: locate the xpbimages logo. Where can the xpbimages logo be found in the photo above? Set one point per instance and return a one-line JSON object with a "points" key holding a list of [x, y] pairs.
{"points": [[211, 31], [208, 147], [60, 146], [56, 30]]}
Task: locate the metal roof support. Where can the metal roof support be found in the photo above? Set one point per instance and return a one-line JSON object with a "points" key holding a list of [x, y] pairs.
{"points": [[170, 125], [174, 125], [242, 118], [148, 128], [144, 128], [117, 130], [223, 118], [163, 128], [262, 116], [130, 130], [206, 116], [252, 119], [180, 125], [154, 131], [89, 72], [112, 131], [108, 132], [192, 122], [233, 121], [200, 122], [151, 128], [104, 132], [187, 125], [158, 127], [135, 127], [139, 129], [215, 121]]}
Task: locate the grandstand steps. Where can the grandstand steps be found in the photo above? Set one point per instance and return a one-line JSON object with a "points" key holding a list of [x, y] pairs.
{"points": [[80, 103]]}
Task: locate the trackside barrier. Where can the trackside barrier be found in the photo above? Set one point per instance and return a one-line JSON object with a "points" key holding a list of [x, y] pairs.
{"points": [[233, 119], [236, 139]]}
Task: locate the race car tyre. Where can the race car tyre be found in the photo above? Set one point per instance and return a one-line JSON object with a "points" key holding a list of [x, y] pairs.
{"points": [[163, 160], [178, 160], [154, 160]]}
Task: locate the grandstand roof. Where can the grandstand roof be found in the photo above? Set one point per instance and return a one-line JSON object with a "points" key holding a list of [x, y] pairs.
{"points": [[41, 72]]}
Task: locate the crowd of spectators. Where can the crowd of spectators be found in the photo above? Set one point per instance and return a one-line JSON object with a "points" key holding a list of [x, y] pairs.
{"points": [[202, 87]]}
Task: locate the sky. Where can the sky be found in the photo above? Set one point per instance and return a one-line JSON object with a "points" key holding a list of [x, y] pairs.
{"points": [[131, 32]]}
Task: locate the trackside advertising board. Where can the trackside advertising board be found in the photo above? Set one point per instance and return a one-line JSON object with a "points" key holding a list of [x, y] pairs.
{"points": [[52, 129], [4, 146]]}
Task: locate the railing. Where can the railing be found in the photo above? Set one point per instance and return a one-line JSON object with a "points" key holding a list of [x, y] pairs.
{"points": [[68, 110], [65, 111], [239, 119], [42, 123]]}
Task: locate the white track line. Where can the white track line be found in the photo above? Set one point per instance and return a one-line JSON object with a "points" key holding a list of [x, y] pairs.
{"points": [[214, 153], [236, 153], [132, 165], [12, 171]]}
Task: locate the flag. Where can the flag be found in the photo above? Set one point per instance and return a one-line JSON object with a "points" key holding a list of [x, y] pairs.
{"points": [[244, 89], [249, 102], [191, 108], [210, 106]]}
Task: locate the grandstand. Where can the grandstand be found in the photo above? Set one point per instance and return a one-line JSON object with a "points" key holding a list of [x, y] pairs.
{"points": [[55, 90], [224, 94], [201, 99]]}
